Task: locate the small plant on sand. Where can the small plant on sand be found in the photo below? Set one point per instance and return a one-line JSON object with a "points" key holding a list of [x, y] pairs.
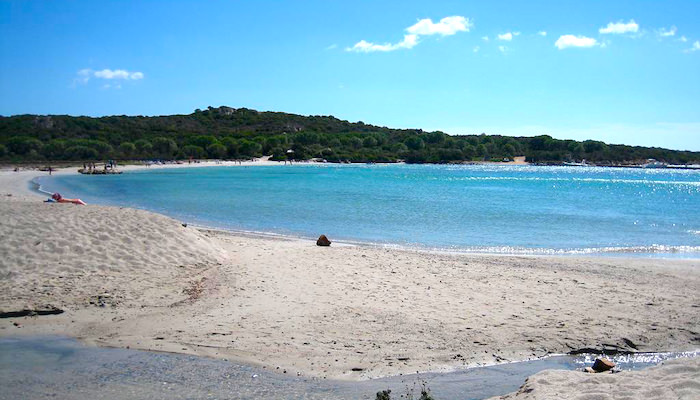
{"points": [[384, 395], [425, 395], [410, 393]]}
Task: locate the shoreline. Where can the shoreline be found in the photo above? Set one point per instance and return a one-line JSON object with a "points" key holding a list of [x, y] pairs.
{"points": [[643, 251], [349, 312]]}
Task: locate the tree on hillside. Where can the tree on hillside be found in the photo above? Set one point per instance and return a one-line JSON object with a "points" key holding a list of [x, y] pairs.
{"points": [[127, 150], [79, 152], [164, 147], [54, 149], [414, 143], [144, 148], [217, 150], [23, 145], [192, 151]]}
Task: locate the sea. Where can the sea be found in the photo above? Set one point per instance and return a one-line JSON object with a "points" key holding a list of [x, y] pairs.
{"points": [[498, 209]]}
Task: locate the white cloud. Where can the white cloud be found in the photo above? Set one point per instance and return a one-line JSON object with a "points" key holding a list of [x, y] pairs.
{"points": [[565, 41], [84, 75], [542, 33], [620, 27], [331, 47], [516, 33], [476, 49], [112, 74], [506, 36], [425, 27], [364, 46], [663, 32], [696, 47], [502, 49], [485, 38], [446, 27], [683, 39], [118, 74]]}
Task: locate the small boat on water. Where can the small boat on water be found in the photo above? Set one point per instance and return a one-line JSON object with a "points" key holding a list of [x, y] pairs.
{"points": [[575, 164], [652, 163]]}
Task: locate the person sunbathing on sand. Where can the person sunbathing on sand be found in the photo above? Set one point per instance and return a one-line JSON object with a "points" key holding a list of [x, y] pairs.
{"points": [[60, 199]]}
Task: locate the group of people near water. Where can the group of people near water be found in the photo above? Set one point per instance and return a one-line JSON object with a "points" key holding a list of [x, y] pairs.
{"points": [[90, 167]]}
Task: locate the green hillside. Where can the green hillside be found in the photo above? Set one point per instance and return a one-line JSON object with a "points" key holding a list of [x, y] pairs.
{"points": [[228, 133]]}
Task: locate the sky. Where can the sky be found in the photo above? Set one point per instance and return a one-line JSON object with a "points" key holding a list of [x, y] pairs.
{"points": [[618, 71]]}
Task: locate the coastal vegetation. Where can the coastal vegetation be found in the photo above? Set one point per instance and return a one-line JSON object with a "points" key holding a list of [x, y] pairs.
{"points": [[229, 133]]}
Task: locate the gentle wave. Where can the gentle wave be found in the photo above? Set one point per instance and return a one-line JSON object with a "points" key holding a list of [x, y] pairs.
{"points": [[38, 187], [624, 360], [513, 250], [656, 249], [505, 250], [593, 180]]}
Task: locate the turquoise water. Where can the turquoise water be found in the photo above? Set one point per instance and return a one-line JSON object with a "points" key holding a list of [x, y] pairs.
{"points": [[493, 209]]}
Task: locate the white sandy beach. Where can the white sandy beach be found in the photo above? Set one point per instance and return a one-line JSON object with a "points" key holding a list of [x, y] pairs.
{"points": [[132, 278]]}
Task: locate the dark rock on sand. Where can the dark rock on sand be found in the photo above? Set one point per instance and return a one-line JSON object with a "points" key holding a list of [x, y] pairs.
{"points": [[606, 349], [629, 343], [323, 241], [29, 313], [602, 365]]}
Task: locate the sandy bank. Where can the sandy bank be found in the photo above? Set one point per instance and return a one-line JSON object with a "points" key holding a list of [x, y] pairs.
{"points": [[672, 380], [133, 278]]}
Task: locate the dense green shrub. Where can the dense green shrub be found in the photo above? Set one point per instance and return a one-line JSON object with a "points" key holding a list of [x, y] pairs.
{"points": [[127, 150], [164, 147], [81, 153], [144, 148], [193, 151], [216, 150], [54, 149], [242, 133], [414, 143], [22, 145]]}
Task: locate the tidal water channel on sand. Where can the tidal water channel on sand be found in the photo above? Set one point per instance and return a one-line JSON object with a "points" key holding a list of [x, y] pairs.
{"points": [[58, 367]]}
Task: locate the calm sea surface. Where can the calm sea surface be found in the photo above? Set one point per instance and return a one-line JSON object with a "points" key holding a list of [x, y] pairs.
{"points": [[494, 209]]}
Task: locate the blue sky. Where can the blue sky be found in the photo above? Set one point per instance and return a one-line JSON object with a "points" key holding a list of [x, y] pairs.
{"points": [[618, 71]]}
